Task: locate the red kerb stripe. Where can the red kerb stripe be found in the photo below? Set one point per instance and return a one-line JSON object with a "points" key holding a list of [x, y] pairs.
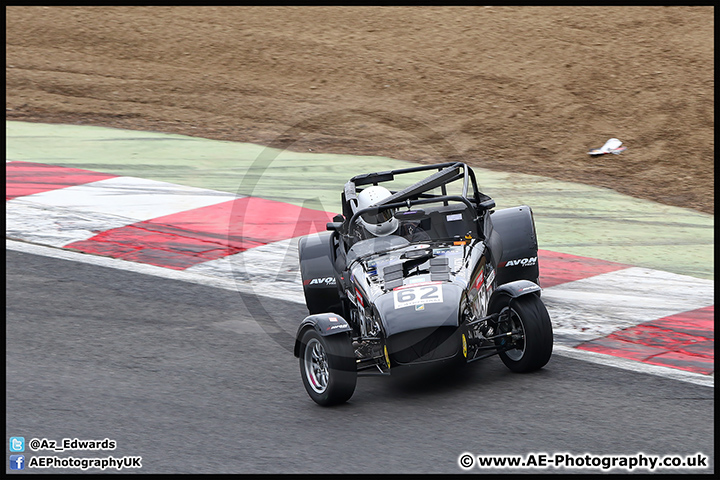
{"points": [[187, 238], [558, 268], [26, 178], [685, 341]]}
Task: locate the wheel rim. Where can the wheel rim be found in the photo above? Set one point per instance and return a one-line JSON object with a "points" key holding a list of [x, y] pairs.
{"points": [[517, 353], [317, 372]]}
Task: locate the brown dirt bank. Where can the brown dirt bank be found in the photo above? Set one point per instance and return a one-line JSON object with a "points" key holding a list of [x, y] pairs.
{"points": [[526, 89]]}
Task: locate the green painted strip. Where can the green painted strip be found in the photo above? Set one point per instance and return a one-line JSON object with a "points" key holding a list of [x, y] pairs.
{"points": [[218, 165], [570, 218]]}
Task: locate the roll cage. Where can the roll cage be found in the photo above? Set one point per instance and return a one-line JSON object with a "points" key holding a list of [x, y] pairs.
{"points": [[467, 209]]}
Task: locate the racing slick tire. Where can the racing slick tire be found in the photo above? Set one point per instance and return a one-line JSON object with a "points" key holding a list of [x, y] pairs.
{"points": [[533, 351], [327, 367]]}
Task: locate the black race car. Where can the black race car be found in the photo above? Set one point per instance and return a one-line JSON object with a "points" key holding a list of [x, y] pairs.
{"points": [[426, 273]]}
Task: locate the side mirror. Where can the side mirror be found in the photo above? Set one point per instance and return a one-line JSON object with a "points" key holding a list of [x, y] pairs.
{"points": [[487, 204], [336, 224]]}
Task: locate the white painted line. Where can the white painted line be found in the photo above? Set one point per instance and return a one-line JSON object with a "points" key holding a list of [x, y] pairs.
{"points": [[597, 306], [289, 293], [625, 364], [130, 197]]}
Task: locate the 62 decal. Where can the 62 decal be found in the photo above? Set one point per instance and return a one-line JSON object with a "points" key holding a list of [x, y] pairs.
{"points": [[418, 295]]}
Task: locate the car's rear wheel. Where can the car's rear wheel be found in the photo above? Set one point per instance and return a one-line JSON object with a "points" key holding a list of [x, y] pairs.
{"points": [[532, 336], [327, 367]]}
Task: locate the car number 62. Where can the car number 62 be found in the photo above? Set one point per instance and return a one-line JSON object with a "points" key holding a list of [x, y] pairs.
{"points": [[420, 295]]}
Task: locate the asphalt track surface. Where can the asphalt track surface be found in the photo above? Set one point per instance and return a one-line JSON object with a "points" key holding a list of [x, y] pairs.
{"points": [[186, 377], [198, 379]]}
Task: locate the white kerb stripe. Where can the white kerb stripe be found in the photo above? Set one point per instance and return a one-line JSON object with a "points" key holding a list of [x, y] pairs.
{"points": [[129, 197], [597, 306]]}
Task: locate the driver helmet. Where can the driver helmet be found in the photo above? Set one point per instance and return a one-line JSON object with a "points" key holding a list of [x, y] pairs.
{"points": [[381, 223]]}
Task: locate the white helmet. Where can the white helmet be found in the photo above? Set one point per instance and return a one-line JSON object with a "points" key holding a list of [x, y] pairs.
{"points": [[382, 223]]}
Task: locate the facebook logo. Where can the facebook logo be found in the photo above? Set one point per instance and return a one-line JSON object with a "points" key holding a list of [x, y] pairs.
{"points": [[17, 444], [17, 462]]}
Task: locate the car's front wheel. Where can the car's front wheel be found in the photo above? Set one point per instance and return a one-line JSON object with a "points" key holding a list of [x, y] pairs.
{"points": [[327, 367], [531, 341]]}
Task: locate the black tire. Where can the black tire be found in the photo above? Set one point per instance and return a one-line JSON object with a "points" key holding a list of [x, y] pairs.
{"points": [[327, 367], [529, 315]]}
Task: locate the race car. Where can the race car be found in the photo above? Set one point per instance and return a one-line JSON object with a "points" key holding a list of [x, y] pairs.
{"points": [[427, 273]]}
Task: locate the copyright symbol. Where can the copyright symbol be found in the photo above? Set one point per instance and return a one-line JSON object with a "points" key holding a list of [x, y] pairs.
{"points": [[466, 461], [34, 444]]}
